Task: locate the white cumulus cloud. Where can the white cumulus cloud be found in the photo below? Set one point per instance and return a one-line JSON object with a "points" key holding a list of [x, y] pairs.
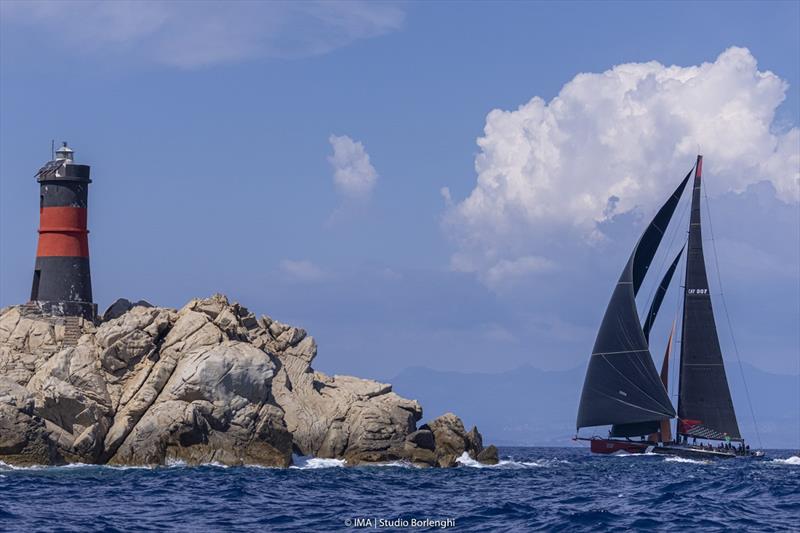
{"points": [[614, 142], [353, 174], [197, 34]]}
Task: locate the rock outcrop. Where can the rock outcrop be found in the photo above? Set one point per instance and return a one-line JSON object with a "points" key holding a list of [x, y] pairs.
{"points": [[207, 383]]}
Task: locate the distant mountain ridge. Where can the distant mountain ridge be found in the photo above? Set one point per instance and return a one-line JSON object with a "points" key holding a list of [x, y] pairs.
{"points": [[534, 407]]}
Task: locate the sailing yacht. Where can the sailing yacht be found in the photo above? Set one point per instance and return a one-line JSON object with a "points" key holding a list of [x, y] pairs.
{"points": [[622, 387]]}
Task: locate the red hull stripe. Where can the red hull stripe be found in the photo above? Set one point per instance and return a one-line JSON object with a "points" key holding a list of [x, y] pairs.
{"points": [[62, 232], [613, 446]]}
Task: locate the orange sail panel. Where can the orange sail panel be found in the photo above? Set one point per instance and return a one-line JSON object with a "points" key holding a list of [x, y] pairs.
{"points": [[665, 434]]}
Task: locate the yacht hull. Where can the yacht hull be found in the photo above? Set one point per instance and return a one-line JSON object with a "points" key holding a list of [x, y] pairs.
{"points": [[612, 446]]}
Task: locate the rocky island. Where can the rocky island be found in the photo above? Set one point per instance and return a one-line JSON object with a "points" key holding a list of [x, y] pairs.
{"points": [[209, 383]]}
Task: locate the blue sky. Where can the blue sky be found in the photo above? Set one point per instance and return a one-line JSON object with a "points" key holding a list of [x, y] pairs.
{"points": [[317, 162]]}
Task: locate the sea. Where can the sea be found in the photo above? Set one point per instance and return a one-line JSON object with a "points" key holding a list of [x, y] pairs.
{"points": [[532, 489]]}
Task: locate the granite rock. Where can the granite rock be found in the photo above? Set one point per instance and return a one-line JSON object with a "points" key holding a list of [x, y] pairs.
{"points": [[207, 383]]}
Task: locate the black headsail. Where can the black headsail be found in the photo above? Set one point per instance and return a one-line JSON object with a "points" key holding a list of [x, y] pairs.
{"points": [[705, 408], [622, 387], [659, 297]]}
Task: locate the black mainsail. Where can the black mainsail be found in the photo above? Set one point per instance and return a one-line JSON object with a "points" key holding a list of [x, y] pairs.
{"points": [[622, 387], [705, 408]]}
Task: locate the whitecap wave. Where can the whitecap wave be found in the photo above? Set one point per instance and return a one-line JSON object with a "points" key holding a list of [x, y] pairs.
{"points": [[676, 459], [793, 460], [623, 453], [311, 463]]}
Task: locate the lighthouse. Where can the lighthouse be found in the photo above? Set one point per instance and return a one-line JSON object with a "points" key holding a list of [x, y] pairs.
{"points": [[62, 285]]}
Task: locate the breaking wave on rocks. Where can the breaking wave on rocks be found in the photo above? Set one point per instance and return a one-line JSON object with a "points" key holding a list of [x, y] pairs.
{"points": [[546, 489], [467, 461], [312, 463]]}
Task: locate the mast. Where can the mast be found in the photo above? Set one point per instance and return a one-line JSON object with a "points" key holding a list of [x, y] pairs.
{"points": [[705, 408]]}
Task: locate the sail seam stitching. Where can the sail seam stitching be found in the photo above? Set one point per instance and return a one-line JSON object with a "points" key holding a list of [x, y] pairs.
{"points": [[635, 386]]}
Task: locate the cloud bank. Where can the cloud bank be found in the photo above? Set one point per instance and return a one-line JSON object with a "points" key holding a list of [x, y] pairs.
{"points": [[197, 34], [353, 174], [612, 143]]}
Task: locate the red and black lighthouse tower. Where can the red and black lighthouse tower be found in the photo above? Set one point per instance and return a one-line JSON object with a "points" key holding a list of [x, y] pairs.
{"points": [[62, 285]]}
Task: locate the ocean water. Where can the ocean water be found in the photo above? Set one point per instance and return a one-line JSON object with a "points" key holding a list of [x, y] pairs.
{"points": [[532, 489]]}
